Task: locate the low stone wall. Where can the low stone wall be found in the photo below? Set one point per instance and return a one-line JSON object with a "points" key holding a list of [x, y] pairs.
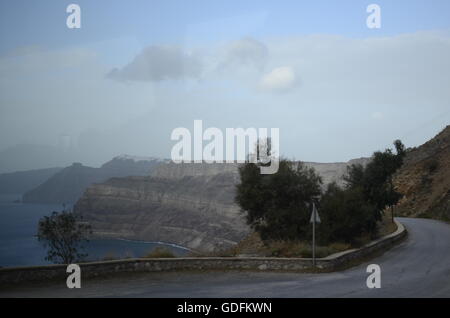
{"points": [[380, 245], [58, 272]]}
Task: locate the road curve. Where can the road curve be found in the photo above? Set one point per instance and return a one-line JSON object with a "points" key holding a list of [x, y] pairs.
{"points": [[417, 267]]}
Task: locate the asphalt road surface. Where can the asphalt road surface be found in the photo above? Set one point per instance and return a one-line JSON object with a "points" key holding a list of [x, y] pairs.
{"points": [[417, 267]]}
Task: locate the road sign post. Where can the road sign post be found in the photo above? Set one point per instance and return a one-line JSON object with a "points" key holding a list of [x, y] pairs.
{"points": [[314, 241], [314, 219]]}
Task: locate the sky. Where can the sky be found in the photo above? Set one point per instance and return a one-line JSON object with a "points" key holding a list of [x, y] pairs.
{"points": [[136, 70]]}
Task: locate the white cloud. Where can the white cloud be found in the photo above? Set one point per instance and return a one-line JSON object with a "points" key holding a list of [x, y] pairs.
{"points": [[245, 52], [348, 85], [280, 79], [157, 63], [397, 71]]}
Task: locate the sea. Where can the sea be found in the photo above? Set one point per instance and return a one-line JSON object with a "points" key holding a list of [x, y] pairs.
{"points": [[19, 245]]}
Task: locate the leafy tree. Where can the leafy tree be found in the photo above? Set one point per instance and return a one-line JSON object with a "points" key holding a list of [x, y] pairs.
{"points": [[277, 205], [345, 215], [64, 236], [355, 210], [375, 180]]}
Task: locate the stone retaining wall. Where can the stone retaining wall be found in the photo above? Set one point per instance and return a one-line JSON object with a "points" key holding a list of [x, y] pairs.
{"points": [[58, 272]]}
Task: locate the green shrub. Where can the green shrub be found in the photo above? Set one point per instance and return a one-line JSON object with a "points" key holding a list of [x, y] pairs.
{"points": [[346, 215], [302, 249], [339, 247], [321, 251], [160, 252]]}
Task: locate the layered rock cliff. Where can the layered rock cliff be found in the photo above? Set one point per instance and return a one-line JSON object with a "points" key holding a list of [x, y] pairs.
{"points": [[193, 204], [334, 172], [197, 212], [68, 184], [187, 204]]}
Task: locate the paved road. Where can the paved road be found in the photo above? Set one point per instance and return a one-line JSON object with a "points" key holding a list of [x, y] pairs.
{"points": [[418, 267]]}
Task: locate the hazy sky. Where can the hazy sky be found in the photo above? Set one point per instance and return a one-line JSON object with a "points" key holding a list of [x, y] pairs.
{"points": [[138, 69]]}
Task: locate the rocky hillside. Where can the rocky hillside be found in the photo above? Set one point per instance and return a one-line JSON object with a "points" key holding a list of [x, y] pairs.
{"points": [[23, 181], [187, 204], [424, 179], [68, 185]]}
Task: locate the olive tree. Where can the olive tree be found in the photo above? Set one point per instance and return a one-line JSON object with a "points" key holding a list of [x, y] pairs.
{"points": [[64, 236]]}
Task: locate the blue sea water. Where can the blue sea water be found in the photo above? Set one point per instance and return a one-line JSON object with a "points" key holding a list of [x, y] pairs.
{"points": [[19, 245]]}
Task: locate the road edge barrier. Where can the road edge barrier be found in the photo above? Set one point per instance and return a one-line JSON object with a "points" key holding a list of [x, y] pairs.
{"points": [[14, 275]]}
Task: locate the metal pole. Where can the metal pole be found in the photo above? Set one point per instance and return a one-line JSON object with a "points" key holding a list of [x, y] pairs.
{"points": [[314, 237], [392, 206]]}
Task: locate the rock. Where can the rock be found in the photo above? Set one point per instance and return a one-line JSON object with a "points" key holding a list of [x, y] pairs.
{"points": [[197, 212], [262, 267], [68, 184], [188, 204], [424, 179]]}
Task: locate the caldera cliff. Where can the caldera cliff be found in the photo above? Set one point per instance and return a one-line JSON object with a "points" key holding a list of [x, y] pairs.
{"points": [[187, 204]]}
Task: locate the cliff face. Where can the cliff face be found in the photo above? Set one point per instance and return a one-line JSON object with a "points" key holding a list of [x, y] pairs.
{"points": [[189, 204], [424, 179], [175, 171], [193, 204], [67, 185], [330, 172], [193, 211], [334, 172]]}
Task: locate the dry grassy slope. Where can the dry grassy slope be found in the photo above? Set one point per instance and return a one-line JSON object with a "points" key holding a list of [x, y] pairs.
{"points": [[424, 179]]}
